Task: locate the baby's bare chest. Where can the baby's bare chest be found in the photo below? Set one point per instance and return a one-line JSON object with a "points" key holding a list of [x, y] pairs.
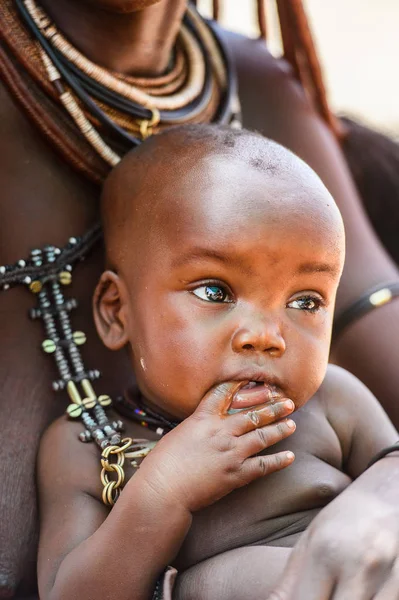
{"points": [[275, 509]]}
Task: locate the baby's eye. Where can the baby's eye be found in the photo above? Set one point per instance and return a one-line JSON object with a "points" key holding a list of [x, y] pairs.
{"points": [[307, 303], [212, 293]]}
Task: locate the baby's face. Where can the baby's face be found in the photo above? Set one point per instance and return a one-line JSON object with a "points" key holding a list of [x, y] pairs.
{"points": [[238, 283]]}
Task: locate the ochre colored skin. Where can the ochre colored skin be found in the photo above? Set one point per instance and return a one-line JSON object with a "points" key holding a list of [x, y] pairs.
{"points": [[252, 235], [45, 201]]}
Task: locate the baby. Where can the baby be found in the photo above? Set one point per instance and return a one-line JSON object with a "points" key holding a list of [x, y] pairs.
{"points": [[224, 253]]}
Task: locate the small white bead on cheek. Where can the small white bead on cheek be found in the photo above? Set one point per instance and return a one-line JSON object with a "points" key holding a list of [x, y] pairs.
{"points": [[142, 363]]}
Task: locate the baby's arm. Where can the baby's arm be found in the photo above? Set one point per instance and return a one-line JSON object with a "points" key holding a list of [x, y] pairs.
{"points": [[86, 552], [362, 426]]}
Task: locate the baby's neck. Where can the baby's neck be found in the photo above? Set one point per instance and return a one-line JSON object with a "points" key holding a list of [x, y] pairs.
{"points": [[135, 407]]}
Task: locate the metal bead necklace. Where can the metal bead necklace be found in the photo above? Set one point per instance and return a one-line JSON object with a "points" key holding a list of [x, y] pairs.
{"points": [[208, 79], [202, 89]]}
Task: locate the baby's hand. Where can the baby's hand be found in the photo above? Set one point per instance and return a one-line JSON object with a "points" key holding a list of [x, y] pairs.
{"points": [[212, 452]]}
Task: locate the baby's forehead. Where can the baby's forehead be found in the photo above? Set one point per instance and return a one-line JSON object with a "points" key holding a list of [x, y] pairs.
{"points": [[217, 190], [177, 187]]}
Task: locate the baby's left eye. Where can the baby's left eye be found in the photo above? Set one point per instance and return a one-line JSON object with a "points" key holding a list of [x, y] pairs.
{"points": [[308, 303], [212, 293]]}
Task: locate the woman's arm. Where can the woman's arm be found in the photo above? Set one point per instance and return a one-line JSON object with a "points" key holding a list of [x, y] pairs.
{"points": [[247, 573], [351, 549]]}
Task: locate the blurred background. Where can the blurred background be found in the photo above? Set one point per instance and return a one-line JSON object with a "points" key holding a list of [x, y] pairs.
{"points": [[358, 44]]}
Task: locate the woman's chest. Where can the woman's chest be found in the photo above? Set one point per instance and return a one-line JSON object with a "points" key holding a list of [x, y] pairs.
{"points": [[42, 197]]}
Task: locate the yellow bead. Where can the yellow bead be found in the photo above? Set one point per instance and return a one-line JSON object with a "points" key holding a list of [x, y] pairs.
{"points": [[88, 403], [104, 400], [79, 337], [36, 286], [65, 277], [73, 392], [74, 411], [49, 346]]}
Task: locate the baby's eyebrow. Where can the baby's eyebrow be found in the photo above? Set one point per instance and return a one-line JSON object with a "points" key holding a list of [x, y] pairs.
{"points": [[317, 267], [206, 253]]}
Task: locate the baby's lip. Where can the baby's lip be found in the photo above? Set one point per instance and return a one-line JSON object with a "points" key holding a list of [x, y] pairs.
{"points": [[254, 393]]}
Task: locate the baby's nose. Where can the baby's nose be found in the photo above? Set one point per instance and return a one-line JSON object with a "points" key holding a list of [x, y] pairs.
{"points": [[260, 337]]}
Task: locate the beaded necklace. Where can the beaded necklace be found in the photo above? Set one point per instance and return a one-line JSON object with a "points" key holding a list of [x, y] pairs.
{"points": [[112, 113], [88, 92]]}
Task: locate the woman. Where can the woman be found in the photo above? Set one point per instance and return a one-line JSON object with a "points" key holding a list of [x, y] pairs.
{"points": [[50, 177]]}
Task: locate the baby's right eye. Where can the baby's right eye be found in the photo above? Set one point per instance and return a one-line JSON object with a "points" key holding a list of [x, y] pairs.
{"points": [[212, 293]]}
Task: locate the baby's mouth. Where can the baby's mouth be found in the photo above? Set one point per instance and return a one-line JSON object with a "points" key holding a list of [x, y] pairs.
{"points": [[254, 393]]}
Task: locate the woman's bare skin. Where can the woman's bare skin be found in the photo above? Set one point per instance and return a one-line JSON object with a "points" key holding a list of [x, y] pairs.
{"points": [[45, 201]]}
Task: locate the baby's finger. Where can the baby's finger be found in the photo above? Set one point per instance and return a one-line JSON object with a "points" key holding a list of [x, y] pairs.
{"points": [[248, 420], [219, 398], [258, 466], [264, 437]]}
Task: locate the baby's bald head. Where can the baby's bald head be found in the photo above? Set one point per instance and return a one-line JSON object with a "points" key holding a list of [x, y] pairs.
{"points": [[225, 251], [192, 173]]}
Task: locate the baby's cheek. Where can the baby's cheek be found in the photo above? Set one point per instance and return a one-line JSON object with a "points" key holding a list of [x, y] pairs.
{"points": [[310, 370], [164, 371]]}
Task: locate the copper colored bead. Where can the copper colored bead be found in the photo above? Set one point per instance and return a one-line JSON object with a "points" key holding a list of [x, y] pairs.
{"points": [[36, 286]]}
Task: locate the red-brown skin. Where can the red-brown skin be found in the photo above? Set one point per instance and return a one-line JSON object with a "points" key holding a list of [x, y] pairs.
{"points": [[235, 239], [279, 244], [44, 201], [138, 34]]}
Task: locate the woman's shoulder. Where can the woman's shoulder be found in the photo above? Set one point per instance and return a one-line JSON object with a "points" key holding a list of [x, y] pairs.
{"points": [[252, 56], [268, 91]]}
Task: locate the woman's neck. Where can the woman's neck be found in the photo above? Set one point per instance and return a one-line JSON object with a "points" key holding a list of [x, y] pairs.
{"points": [[138, 43]]}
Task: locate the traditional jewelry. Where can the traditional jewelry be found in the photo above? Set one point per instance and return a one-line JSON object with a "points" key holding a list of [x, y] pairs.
{"points": [[92, 90], [112, 113], [374, 298], [382, 453], [45, 273], [132, 406]]}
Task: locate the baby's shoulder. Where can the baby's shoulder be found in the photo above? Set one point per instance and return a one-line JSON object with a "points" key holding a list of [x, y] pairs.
{"points": [[351, 408], [339, 386], [342, 396], [65, 461], [358, 419]]}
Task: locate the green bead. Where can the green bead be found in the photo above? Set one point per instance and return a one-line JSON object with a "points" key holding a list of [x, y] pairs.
{"points": [[79, 337], [49, 346], [74, 411]]}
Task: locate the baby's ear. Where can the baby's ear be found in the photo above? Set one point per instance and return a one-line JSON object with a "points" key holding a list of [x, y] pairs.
{"points": [[109, 311]]}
